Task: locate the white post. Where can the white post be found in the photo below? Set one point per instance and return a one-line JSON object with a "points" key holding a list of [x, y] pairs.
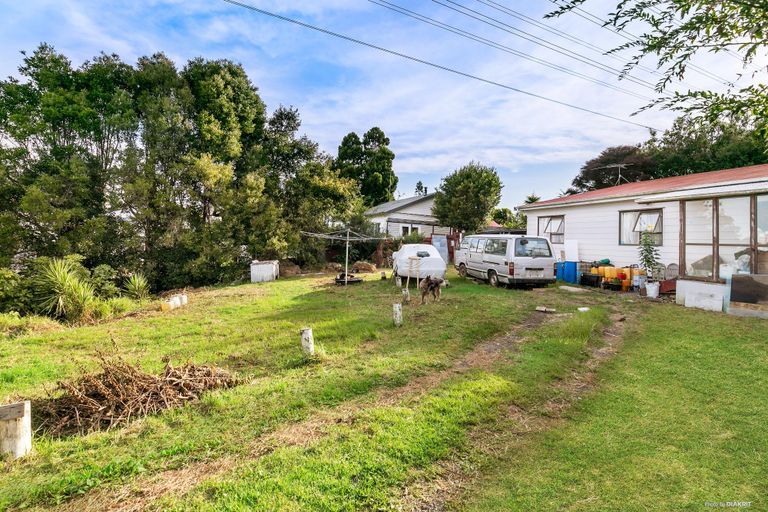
{"points": [[406, 296], [399, 282], [397, 312], [307, 342], [346, 261], [383, 276], [16, 429]]}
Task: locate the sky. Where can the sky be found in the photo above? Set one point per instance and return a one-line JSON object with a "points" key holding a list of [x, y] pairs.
{"points": [[436, 121]]}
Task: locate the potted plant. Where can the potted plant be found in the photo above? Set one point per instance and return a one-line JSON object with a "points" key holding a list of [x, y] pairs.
{"points": [[649, 261]]}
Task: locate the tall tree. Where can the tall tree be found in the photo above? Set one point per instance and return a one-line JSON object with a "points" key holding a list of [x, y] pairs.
{"points": [[673, 33], [421, 190], [369, 163], [466, 198], [613, 166], [696, 145]]}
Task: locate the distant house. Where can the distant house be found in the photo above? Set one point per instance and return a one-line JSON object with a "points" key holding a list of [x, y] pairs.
{"points": [[713, 225], [407, 216]]}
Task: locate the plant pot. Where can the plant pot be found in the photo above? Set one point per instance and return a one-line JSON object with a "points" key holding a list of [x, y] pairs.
{"points": [[652, 290]]}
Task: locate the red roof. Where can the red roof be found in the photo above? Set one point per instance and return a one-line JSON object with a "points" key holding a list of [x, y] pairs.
{"points": [[753, 172], [494, 224]]}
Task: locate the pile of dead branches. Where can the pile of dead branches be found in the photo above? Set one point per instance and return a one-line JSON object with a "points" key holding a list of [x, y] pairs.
{"points": [[121, 392]]}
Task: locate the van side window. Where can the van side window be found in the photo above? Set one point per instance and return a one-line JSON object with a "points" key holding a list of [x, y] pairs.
{"points": [[464, 244], [496, 247], [473, 244], [481, 244]]}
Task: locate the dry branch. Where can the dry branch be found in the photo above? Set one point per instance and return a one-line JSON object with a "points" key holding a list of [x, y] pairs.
{"points": [[121, 392]]}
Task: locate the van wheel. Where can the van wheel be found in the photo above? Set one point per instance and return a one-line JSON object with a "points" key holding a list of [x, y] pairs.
{"points": [[493, 279], [463, 270]]}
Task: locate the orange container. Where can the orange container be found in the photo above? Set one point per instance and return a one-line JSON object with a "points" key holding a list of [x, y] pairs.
{"points": [[601, 271], [625, 284]]}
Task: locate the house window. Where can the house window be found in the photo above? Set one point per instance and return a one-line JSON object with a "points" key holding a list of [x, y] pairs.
{"points": [[698, 238], [762, 234], [553, 228], [633, 223], [725, 236], [410, 230]]}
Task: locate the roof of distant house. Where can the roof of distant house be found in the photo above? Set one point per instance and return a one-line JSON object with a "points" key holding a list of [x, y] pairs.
{"points": [[397, 204], [659, 186]]}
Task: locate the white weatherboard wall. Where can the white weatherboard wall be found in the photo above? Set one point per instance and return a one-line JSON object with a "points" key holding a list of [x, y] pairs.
{"points": [[413, 215], [596, 229]]}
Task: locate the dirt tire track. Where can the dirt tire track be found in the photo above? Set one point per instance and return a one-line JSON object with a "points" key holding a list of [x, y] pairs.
{"points": [[455, 478], [139, 494]]}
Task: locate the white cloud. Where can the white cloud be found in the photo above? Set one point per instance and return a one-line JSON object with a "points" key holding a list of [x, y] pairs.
{"points": [[436, 121]]}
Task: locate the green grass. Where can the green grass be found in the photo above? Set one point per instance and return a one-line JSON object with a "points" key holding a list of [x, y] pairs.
{"points": [[361, 466], [677, 418], [254, 329], [680, 419]]}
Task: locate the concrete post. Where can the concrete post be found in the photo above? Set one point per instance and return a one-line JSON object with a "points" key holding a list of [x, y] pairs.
{"points": [[406, 296], [16, 429], [397, 312], [307, 342]]}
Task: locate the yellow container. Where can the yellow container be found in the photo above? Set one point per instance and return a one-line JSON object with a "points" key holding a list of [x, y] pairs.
{"points": [[595, 270], [610, 272], [601, 271]]}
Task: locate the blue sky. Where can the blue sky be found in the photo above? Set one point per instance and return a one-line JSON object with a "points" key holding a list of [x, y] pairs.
{"points": [[436, 121]]}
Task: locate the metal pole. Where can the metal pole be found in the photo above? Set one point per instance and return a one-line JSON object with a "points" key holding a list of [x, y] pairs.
{"points": [[346, 261]]}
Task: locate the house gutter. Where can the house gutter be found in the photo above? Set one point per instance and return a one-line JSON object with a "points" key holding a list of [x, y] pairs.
{"points": [[703, 191]]}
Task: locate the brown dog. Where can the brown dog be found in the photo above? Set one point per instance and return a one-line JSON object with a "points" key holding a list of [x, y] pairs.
{"points": [[430, 285]]}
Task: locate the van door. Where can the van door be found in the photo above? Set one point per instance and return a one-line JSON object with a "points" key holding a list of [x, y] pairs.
{"points": [[495, 258], [533, 259], [475, 259]]}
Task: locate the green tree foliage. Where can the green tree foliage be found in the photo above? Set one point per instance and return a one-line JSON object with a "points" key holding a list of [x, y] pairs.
{"points": [[369, 163], [503, 216], [466, 198], [178, 172], [613, 166], [421, 190], [673, 33], [692, 145]]}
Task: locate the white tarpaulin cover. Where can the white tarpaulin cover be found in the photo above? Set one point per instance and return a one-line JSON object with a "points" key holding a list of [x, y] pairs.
{"points": [[426, 261]]}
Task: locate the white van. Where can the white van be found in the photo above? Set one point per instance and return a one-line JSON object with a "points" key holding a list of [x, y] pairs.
{"points": [[507, 259]]}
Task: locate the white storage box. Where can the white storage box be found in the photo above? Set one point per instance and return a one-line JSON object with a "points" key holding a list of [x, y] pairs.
{"points": [[264, 271]]}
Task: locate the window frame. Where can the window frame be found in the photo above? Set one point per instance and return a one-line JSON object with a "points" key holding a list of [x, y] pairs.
{"points": [[547, 235], [640, 211], [753, 246]]}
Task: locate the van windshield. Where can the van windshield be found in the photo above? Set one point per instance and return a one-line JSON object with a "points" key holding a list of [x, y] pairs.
{"points": [[532, 248]]}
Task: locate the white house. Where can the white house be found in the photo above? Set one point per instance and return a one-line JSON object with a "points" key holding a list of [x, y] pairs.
{"points": [[714, 225], [406, 216]]}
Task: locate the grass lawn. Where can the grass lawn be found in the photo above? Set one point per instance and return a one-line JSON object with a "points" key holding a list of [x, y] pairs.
{"points": [[680, 419], [674, 419]]}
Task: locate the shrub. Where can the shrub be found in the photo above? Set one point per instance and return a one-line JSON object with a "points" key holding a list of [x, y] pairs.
{"points": [[97, 309], [137, 287], [61, 293], [14, 296], [13, 324], [120, 305], [104, 281]]}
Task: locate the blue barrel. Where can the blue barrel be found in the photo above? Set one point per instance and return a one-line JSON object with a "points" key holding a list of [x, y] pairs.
{"points": [[570, 272], [560, 273]]}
